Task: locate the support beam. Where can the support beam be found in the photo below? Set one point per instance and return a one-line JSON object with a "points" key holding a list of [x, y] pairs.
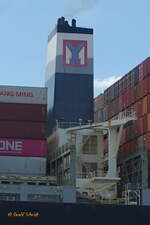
{"points": [[114, 135], [100, 153]]}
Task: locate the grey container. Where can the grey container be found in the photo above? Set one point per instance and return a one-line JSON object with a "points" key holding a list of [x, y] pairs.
{"points": [[20, 94], [22, 165]]}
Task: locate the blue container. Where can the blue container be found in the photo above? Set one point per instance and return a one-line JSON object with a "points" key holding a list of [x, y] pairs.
{"points": [[135, 74], [101, 115]]}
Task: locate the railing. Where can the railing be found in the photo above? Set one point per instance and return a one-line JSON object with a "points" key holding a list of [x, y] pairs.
{"points": [[65, 125], [59, 151], [126, 113], [97, 173]]}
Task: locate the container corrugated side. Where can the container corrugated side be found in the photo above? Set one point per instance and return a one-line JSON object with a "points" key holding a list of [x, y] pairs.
{"points": [[19, 94], [22, 165], [148, 103], [23, 147], [144, 105], [99, 101], [23, 129], [24, 112]]}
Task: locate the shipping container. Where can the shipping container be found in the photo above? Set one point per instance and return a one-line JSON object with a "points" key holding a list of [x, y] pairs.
{"points": [[121, 86], [24, 112], [109, 95], [106, 96], [145, 124], [116, 89], [125, 83], [22, 165], [141, 72], [125, 99], [148, 121], [132, 130], [21, 129], [129, 83], [135, 74], [148, 84], [144, 105], [23, 147], [106, 112], [135, 93], [140, 108], [147, 140], [112, 93], [116, 106], [132, 95], [146, 67], [101, 117], [144, 86], [20, 94], [99, 102], [120, 102], [96, 117], [148, 102], [139, 90], [135, 108]]}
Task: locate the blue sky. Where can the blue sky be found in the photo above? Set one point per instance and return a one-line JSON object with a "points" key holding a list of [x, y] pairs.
{"points": [[121, 37]]}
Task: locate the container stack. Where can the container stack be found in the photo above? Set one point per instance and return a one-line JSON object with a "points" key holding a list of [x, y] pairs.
{"points": [[98, 108], [23, 129], [131, 92]]}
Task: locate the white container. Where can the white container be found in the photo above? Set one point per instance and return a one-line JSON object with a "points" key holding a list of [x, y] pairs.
{"points": [[20, 94], [22, 165]]}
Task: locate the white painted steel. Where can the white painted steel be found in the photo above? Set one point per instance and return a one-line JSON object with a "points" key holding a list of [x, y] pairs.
{"points": [[51, 54], [20, 94], [22, 165]]}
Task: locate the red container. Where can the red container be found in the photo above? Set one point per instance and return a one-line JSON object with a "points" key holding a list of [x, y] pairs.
{"points": [[22, 147], [148, 103], [99, 102], [144, 86], [148, 84], [123, 137], [120, 103], [146, 65], [21, 129], [147, 140], [141, 72], [132, 95], [128, 101], [135, 108], [139, 90], [24, 112], [144, 105], [148, 121], [139, 108], [135, 93]]}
